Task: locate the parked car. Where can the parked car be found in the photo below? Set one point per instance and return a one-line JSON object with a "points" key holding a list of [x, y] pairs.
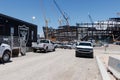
{"points": [[84, 48], [5, 52], [43, 45], [117, 43], [70, 46]]}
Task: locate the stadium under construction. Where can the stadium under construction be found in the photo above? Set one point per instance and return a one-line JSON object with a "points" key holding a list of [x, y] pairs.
{"points": [[105, 31]]}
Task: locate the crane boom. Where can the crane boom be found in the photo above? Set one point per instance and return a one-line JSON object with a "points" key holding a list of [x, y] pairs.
{"points": [[90, 18], [65, 17], [45, 19], [92, 25]]}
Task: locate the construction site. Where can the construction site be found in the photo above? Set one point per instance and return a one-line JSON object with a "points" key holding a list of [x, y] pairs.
{"points": [[106, 31], [100, 31]]}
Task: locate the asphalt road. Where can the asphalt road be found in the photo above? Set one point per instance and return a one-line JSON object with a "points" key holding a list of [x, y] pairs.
{"points": [[59, 65]]}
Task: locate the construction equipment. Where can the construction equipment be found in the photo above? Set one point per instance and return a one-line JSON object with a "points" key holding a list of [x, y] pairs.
{"points": [[63, 13], [92, 25], [45, 19], [66, 18], [90, 18], [60, 21]]}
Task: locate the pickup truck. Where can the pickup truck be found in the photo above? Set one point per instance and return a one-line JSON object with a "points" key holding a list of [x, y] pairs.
{"points": [[84, 48], [43, 45], [5, 52]]}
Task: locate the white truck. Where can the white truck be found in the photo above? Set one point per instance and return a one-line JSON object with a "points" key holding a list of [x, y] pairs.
{"points": [[5, 52], [84, 48], [43, 45]]}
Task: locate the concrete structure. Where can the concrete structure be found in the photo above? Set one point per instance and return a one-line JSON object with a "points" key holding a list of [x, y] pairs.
{"points": [[114, 66], [105, 31]]}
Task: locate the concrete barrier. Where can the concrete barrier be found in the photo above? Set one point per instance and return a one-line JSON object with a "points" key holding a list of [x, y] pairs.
{"points": [[102, 69], [114, 66]]}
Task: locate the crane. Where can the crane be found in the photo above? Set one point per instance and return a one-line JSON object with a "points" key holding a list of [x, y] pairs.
{"points": [[45, 19], [92, 25], [65, 16], [63, 13], [90, 18]]}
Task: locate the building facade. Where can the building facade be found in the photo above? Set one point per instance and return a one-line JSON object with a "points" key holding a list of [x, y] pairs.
{"points": [[10, 26]]}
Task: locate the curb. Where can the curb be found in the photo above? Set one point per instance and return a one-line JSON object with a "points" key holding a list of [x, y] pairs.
{"points": [[102, 69]]}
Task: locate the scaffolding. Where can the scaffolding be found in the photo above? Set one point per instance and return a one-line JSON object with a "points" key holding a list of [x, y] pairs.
{"points": [[105, 31]]}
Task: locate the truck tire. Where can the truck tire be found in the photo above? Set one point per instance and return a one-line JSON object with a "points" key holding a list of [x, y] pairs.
{"points": [[76, 54], [6, 56], [54, 49], [92, 56], [46, 50], [34, 50]]}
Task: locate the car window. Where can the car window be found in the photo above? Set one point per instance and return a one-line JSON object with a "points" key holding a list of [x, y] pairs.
{"points": [[44, 41], [52, 42], [85, 44]]}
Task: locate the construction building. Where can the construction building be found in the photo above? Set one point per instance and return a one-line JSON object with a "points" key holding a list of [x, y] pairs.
{"points": [[105, 31]]}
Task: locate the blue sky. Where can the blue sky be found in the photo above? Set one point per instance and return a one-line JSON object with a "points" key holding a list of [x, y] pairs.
{"points": [[77, 10]]}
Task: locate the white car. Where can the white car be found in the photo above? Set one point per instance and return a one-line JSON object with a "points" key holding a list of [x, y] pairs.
{"points": [[43, 45], [5, 52], [84, 48]]}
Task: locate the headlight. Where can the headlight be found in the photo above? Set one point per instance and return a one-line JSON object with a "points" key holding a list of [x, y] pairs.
{"points": [[91, 50]]}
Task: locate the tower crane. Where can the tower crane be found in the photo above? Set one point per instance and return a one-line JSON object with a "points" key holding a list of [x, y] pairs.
{"points": [[60, 21], [90, 18], [92, 25], [63, 13], [45, 19]]}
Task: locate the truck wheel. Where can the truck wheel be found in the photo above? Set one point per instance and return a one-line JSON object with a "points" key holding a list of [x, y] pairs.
{"points": [[76, 54], [6, 56], [34, 50], [46, 50], [92, 56], [54, 49]]}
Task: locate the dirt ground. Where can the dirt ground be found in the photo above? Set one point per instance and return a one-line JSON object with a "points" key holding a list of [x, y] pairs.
{"points": [[59, 65]]}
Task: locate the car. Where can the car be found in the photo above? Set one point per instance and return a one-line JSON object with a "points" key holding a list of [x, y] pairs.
{"points": [[70, 46], [117, 43], [5, 52], [84, 48], [43, 45]]}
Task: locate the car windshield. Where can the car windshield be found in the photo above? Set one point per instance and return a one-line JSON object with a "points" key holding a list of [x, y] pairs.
{"points": [[44, 41], [85, 44]]}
